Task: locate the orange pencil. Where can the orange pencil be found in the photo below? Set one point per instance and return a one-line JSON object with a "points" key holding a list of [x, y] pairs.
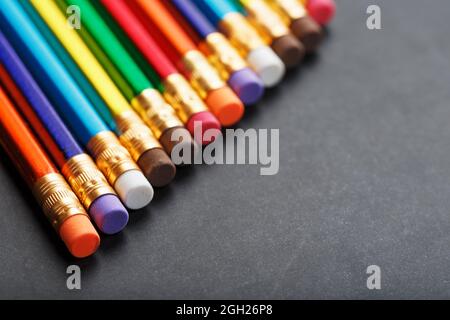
{"points": [[60, 205], [221, 100]]}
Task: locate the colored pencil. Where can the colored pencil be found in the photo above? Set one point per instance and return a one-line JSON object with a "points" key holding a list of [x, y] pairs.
{"points": [[231, 66], [295, 15], [72, 105], [217, 95], [143, 96], [71, 67], [134, 134], [189, 106], [220, 99], [78, 168], [59, 203], [272, 28], [226, 17]]}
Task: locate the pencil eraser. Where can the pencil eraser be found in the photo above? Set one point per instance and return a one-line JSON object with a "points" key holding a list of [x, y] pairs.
{"points": [[134, 189], [289, 49], [225, 105], [157, 167], [79, 235], [322, 10], [109, 214], [206, 121], [309, 32], [247, 85], [267, 65], [180, 137]]}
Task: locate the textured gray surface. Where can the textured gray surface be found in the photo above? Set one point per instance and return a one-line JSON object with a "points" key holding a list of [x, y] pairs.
{"points": [[364, 179]]}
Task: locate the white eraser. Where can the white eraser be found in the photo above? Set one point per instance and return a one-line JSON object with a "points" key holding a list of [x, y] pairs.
{"points": [[134, 189], [267, 65]]}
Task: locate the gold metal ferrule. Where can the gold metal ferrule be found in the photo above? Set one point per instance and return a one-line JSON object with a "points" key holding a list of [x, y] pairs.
{"points": [[179, 93], [86, 179], [155, 111], [111, 157], [241, 33], [289, 10], [136, 137], [203, 77], [57, 199], [268, 23], [222, 55]]}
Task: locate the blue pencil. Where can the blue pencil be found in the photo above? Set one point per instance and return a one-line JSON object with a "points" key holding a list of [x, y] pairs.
{"points": [[74, 107]]}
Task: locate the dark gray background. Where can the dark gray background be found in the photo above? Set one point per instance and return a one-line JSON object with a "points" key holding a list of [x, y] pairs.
{"points": [[364, 179]]}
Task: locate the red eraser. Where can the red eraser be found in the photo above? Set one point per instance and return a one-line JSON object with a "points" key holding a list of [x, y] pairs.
{"points": [[200, 123], [322, 10]]}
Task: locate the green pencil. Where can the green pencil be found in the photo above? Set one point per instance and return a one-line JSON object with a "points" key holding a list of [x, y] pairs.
{"points": [[135, 85]]}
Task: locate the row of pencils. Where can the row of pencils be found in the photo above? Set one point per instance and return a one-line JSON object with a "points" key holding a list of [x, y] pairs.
{"points": [[95, 95]]}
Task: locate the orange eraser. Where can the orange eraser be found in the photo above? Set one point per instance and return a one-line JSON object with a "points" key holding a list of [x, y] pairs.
{"points": [[225, 105], [79, 235]]}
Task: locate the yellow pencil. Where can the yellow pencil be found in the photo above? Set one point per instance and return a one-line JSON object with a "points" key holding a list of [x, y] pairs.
{"points": [[134, 134]]}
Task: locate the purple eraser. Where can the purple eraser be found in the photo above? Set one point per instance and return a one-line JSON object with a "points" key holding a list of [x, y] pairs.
{"points": [[247, 85], [109, 214]]}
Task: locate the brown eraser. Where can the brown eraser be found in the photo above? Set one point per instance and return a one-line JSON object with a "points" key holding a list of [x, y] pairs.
{"points": [[309, 32], [179, 136], [289, 49], [157, 167]]}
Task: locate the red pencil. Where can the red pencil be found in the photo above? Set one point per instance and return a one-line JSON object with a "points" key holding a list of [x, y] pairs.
{"points": [[189, 106], [17, 97]]}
